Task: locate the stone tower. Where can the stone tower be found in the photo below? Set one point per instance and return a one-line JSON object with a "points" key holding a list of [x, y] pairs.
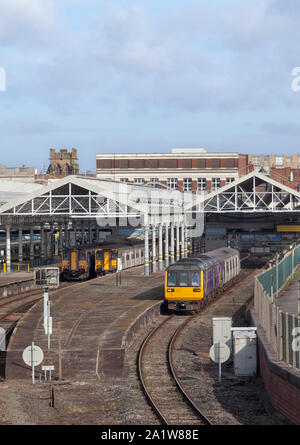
{"points": [[63, 162]]}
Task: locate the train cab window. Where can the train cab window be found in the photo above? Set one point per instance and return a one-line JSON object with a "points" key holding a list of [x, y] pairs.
{"points": [[183, 279], [81, 254], [171, 279], [114, 255], [196, 279], [99, 255]]}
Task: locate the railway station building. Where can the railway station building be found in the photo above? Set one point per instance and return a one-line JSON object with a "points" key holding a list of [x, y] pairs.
{"points": [[184, 169]]}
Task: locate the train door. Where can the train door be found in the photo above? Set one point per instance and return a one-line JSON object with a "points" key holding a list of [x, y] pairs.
{"points": [[106, 265]]}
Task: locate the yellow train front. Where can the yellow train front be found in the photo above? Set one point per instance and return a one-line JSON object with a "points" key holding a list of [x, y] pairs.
{"points": [[77, 264], [193, 282], [106, 260]]}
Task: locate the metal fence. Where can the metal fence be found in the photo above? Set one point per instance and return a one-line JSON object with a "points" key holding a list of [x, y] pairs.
{"points": [[278, 325]]}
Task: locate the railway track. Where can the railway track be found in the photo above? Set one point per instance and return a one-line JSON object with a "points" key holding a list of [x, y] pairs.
{"points": [[159, 381], [157, 372], [27, 299]]}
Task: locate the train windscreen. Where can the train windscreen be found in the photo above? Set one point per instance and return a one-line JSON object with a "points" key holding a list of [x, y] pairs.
{"points": [[183, 279], [99, 255]]}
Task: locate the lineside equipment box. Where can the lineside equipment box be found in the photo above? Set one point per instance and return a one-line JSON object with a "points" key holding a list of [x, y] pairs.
{"points": [[244, 355], [222, 330]]}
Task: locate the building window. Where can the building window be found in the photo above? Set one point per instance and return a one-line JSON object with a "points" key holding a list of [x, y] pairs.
{"points": [[138, 163], [139, 180], [229, 163], [201, 184], [124, 163], [124, 180], [170, 163], [153, 163], [215, 163], [105, 163], [229, 180], [201, 163], [187, 184], [215, 183], [186, 163], [154, 182], [173, 183], [279, 161]]}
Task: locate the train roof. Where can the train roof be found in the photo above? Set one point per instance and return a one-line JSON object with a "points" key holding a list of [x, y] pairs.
{"points": [[224, 252], [206, 258]]}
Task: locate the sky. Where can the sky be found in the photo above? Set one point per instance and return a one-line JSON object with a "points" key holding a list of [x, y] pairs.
{"points": [[147, 76]]}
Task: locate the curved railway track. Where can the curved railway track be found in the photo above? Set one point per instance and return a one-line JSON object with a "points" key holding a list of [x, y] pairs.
{"points": [[169, 400], [163, 389], [26, 298]]}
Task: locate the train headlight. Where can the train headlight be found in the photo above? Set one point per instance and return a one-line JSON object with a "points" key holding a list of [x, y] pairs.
{"points": [[196, 290], [171, 290]]}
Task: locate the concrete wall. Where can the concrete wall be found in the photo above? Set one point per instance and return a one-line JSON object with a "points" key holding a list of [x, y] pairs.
{"points": [[16, 288]]}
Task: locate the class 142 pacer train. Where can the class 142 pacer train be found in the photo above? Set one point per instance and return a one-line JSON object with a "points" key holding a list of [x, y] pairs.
{"points": [[193, 282]]}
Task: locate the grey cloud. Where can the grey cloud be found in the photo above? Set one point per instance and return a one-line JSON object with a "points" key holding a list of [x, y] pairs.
{"points": [[283, 129], [241, 61]]}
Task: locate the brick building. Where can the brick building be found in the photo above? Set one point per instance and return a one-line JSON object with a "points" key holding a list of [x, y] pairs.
{"points": [[274, 161], [183, 169], [281, 168]]}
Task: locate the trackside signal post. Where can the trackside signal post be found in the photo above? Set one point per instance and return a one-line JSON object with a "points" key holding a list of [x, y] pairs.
{"points": [[33, 356], [119, 272], [219, 353], [47, 277]]}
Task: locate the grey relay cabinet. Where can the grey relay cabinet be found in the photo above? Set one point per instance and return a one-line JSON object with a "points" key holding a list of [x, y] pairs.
{"points": [[244, 351]]}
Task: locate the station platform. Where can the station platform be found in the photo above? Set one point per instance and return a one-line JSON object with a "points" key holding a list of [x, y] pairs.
{"points": [[288, 297], [95, 318], [14, 277]]}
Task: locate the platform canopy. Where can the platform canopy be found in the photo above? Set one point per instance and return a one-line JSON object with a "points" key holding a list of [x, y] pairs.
{"points": [[253, 193], [12, 190], [82, 197]]}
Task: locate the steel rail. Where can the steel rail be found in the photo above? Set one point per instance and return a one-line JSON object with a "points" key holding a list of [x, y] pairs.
{"points": [[188, 399], [140, 372], [175, 377]]}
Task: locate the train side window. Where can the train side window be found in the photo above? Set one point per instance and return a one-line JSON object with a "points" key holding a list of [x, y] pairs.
{"points": [[171, 279], [196, 279], [183, 279], [127, 257]]}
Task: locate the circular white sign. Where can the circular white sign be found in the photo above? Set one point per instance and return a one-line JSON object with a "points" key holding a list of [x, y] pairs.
{"points": [[219, 352], [36, 356]]}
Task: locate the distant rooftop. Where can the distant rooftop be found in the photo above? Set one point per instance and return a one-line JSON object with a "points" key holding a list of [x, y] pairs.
{"points": [[188, 150], [16, 170]]}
